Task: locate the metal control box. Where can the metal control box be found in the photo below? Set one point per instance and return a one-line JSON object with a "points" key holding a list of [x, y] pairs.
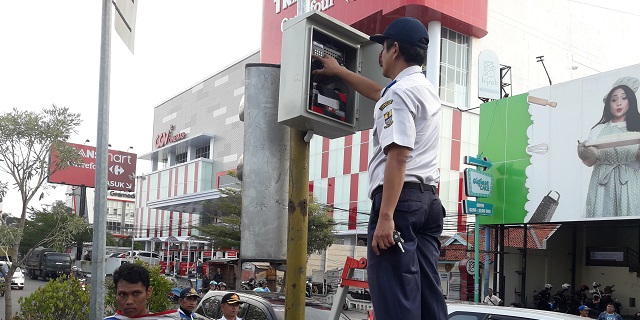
{"points": [[326, 105]]}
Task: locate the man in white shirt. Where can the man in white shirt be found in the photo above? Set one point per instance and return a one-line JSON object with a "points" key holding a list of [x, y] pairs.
{"points": [[230, 304], [403, 175], [492, 299]]}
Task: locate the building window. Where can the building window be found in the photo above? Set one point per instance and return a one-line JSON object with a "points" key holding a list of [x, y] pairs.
{"points": [[454, 68], [202, 152], [181, 157]]}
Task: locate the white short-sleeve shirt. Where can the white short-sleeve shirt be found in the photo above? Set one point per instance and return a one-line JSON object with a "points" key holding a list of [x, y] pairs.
{"points": [[407, 114]]}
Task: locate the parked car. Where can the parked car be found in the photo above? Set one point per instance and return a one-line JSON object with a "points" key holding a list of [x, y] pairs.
{"points": [[260, 305], [461, 310], [146, 256], [17, 281], [117, 255], [464, 310]]}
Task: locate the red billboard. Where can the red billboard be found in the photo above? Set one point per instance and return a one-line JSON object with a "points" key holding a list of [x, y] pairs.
{"points": [[121, 166], [373, 16]]}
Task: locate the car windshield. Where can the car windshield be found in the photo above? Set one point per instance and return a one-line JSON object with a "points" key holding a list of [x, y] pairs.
{"points": [[58, 258]]}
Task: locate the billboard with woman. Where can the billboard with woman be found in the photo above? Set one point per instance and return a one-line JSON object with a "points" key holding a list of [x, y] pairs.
{"points": [[566, 152]]}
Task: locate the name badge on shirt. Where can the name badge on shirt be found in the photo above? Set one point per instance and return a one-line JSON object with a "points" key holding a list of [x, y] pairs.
{"points": [[388, 119]]}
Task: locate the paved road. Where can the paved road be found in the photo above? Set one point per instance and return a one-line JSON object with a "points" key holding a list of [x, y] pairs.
{"points": [[29, 287]]}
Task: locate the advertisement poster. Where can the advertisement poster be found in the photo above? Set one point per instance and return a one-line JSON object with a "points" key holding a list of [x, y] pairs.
{"points": [[567, 152]]}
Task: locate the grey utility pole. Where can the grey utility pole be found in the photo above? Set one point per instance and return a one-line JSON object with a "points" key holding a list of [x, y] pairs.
{"points": [[100, 205]]}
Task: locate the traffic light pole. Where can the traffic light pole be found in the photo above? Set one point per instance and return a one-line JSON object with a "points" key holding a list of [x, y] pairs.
{"points": [[298, 218], [298, 226]]}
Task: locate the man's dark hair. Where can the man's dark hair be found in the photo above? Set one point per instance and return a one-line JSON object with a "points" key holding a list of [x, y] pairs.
{"points": [[412, 55], [132, 273]]}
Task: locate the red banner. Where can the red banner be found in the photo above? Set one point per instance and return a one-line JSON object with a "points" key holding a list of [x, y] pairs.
{"points": [[121, 167]]}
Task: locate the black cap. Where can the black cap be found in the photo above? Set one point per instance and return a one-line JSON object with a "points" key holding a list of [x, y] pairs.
{"points": [[230, 298], [188, 292], [406, 30]]}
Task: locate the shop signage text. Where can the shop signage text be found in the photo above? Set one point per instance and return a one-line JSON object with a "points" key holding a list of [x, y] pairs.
{"points": [[166, 138]]}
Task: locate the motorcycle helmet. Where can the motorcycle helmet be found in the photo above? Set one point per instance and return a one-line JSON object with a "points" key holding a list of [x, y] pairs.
{"points": [[595, 284], [220, 284], [548, 286], [584, 287], [566, 286]]}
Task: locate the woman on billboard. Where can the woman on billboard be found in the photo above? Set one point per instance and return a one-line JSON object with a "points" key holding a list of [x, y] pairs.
{"points": [[613, 150]]}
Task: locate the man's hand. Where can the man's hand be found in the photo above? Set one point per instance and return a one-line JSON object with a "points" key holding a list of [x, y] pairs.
{"points": [[383, 237], [331, 66]]}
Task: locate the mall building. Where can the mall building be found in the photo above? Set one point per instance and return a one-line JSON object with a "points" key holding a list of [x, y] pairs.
{"points": [[197, 135]]}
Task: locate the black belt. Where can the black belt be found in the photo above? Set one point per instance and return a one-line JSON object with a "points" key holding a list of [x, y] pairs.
{"points": [[408, 185]]}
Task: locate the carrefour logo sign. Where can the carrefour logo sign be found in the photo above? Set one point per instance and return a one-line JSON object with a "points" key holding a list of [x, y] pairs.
{"points": [[477, 183]]}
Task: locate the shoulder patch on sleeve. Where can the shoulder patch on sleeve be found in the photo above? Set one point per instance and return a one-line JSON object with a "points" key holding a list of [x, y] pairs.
{"points": [[385, 104], [388, 119]]}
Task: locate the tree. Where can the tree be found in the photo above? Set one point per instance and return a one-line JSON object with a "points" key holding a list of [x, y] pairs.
{"points": [[320, 235], [60, 298], [221, 219], [221, 222], [26, 139], [45, 221]]}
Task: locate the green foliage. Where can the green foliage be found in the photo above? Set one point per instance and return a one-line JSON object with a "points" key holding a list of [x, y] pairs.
{"points": [[227, 210], [60, 298], [58, 226], [221, 219], [111, 240], [159, 300], [320, 228], [27, 138]]}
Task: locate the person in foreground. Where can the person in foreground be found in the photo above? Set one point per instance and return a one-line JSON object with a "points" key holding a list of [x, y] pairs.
{"points": [[403, 173], [188, 302], [133, 290], [610, 313], [230, 304]]}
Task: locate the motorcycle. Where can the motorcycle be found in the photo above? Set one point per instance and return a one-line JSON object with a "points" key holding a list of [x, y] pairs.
{"points": [[542, 299], [607, 297], [603, 297], [249, 284], [309, 288], [174, 294], [77, 273]]}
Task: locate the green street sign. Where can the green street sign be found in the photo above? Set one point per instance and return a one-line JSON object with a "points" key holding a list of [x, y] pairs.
{"points": [[477, 183], [473, 161], [478, 208]]}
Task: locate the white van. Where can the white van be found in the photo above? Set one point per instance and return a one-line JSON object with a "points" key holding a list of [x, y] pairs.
{"points": [[149, 257]]}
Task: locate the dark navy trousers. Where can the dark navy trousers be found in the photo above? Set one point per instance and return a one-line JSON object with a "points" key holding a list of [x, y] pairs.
{"points": [[406, 285]]}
